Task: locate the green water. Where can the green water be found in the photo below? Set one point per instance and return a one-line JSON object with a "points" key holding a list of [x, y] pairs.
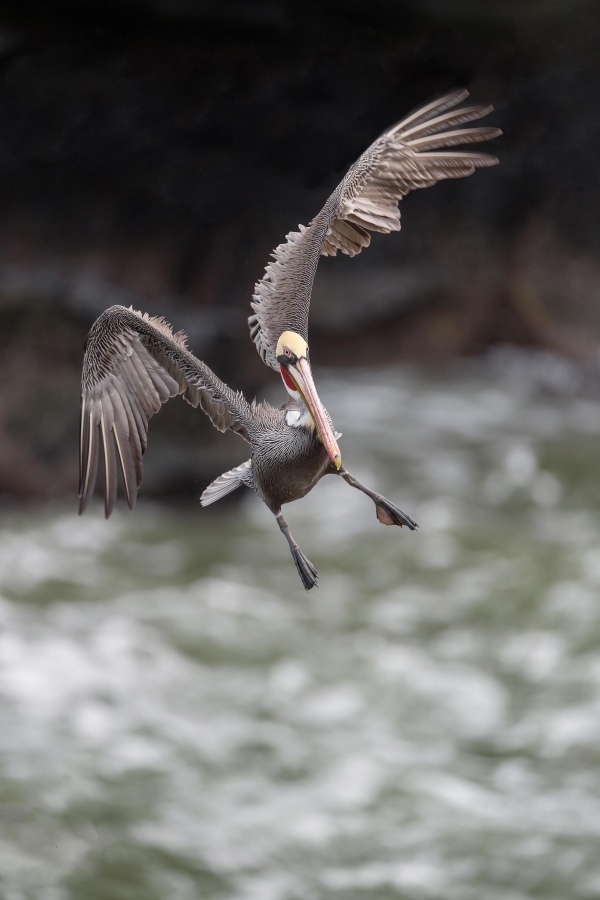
{"points": [[180, 720]]}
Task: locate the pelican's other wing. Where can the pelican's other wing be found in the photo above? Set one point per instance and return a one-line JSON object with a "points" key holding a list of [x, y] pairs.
{"points": [[405, 157], [133, 364]]}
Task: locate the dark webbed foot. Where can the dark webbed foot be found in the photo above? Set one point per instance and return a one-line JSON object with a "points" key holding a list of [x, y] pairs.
{"points": [[388, 514], [306, 570]]}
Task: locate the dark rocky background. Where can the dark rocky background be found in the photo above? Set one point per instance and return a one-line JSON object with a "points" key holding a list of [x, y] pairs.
{"points": [[154, 151]]}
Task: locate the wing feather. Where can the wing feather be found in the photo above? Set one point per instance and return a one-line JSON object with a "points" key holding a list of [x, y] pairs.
{"points": [[110, 459], [447, 120], [405, 157], [129, 455], [226, 483], [89, 451], [132, 365]]}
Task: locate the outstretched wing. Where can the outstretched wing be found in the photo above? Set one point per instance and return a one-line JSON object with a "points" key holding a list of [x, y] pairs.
{"points": [[133, 364], [405, 157]]}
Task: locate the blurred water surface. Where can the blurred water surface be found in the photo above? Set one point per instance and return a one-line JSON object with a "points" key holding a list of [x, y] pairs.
{"points": [[179, 719]]}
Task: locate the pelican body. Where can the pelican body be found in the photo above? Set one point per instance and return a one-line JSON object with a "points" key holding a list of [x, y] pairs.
{"points": [[134, 363]]}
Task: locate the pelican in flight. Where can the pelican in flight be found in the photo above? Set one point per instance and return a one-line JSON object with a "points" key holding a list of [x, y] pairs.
{"points": [[134, 363]]}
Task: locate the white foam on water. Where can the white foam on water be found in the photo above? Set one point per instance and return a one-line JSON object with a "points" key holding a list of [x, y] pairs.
{"points": [[425, 723]]}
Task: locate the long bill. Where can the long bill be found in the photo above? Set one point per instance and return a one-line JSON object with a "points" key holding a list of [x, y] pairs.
{"points": [[302, 376]]}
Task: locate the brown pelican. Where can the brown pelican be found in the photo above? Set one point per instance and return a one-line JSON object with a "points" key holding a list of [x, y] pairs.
{"points": [[134, 363]]}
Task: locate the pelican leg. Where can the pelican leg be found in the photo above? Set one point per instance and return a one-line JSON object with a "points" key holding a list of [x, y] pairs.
{"points": [[387, 512], [306, 570]]}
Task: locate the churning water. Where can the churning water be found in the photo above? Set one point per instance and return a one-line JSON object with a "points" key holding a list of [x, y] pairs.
{"points": [[180, 720]]}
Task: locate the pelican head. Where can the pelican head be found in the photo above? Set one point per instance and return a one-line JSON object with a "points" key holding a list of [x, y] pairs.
{"points": [[292, 356]]}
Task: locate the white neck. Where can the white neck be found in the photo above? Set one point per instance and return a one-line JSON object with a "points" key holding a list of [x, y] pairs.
{"points": [[299, 418]]}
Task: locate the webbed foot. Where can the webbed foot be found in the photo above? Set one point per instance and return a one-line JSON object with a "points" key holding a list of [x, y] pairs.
{"points": [[306, 570], [389, 514]]}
